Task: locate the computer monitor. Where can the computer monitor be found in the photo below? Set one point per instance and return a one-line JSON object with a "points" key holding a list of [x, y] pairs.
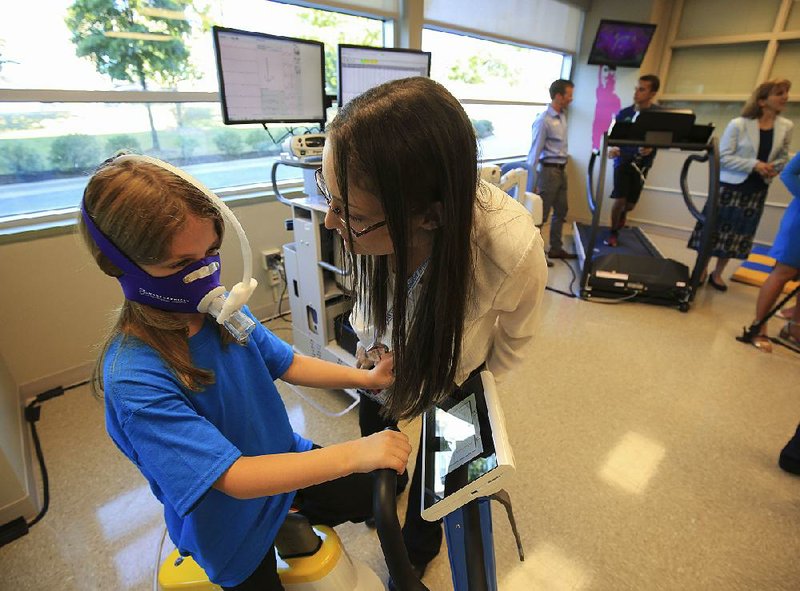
{"points": [[269, 79], [621, 43], [361, 68]]}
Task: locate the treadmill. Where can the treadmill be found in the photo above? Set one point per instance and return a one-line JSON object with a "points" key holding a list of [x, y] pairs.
{"points": [[635, 269]]}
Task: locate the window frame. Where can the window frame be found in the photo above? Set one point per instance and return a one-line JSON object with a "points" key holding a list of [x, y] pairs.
{"points": [[57, 221], [567, 69], [63, 219]]}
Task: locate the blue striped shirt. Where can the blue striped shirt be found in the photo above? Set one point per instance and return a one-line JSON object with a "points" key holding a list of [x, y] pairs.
{"points": [[549, 143]]}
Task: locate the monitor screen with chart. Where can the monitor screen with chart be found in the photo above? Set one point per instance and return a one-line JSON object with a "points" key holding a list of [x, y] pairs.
{"points": [[361, 68], [269, 79]]}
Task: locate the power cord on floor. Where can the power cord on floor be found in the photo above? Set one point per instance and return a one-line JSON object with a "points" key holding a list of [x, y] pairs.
{"points": [[282, 271], [570, 293], [19, 527], [621, 300], [158, 559], [571, 290]]}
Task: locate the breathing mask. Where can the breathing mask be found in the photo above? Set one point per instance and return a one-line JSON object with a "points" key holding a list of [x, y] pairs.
{"points": [[195, 288]]}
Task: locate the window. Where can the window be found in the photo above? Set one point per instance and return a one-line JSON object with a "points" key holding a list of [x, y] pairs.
{"points": [[60, 115], [503, 87]]}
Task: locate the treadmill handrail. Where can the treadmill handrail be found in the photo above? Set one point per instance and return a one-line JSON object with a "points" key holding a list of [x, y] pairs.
{"points": [[687, 197], [687, 146], [590, 181]]}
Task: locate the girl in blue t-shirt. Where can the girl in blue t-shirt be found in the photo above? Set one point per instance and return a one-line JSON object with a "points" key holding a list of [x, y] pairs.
{"points": [[196, 411]]}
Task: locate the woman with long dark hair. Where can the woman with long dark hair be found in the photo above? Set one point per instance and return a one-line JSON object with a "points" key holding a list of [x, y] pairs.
{"points": [[449, 272]]}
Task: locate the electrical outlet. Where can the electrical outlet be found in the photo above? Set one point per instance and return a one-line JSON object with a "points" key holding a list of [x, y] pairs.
{"points": [[271, 259], [274, 277]]}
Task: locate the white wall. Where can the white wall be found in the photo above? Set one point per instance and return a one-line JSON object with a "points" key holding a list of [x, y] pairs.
{"points": [[55, 305], [18, 494]]}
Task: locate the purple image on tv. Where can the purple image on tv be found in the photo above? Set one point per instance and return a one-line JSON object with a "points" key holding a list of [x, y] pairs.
{"points": [[620, 43]]}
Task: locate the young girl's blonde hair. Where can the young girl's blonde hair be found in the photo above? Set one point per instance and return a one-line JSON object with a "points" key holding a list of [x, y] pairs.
{"points": [[140, 206]]}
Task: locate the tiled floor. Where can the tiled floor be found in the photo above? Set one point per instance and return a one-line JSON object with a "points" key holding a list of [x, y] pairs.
{"points": [[646, 442]]}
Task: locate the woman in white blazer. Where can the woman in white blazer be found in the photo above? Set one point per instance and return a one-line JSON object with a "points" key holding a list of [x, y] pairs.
{"points": [[449, 272], [753, 150]]}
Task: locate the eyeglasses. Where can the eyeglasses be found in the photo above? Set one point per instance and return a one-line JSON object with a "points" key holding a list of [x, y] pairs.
{"points": [[337, 211]]}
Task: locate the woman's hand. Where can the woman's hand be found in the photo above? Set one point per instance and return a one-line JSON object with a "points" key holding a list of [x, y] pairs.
{"points": [[363, 360], [382, 374], [387, 449], [765, 169]]}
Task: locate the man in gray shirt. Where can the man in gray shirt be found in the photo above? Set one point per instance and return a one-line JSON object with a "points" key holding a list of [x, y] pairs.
{"points": [[547, 160]]}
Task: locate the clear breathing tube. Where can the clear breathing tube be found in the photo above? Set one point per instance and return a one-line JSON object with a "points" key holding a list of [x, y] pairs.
{"points": [[225, 307]]}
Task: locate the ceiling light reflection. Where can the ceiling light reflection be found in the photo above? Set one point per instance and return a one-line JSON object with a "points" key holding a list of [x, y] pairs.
{"points": [[547, 568], [632, 463], [134, 562], [139, 36], [129, 512], [176, 15]]}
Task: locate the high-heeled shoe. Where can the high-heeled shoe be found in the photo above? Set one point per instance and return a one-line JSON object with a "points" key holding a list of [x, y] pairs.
{"points": [[715, 285], [762, 343]]}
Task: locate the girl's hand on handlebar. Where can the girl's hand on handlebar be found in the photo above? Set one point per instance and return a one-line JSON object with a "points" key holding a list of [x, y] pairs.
{"points": [[387, 449]]}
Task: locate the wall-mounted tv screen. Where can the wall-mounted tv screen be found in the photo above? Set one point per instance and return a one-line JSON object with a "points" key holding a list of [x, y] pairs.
{"points": [[621, 44], [269, 79], [361, 68]]}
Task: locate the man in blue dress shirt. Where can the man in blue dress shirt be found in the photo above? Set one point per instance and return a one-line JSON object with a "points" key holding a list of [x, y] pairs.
{"points": [[547, 160]]}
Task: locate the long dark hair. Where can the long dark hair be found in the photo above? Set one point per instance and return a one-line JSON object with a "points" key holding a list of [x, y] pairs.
{"points": [[410, 143]]}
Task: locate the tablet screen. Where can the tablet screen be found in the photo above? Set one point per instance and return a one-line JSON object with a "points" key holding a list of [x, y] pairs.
{"points": [[459, 447]]}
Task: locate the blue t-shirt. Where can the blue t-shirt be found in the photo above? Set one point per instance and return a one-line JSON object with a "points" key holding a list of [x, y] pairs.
{"points": [[631, 153], [183, 441]]}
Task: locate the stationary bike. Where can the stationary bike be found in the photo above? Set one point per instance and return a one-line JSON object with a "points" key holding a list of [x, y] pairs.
{"points": [[310, 558], [466, 460]]}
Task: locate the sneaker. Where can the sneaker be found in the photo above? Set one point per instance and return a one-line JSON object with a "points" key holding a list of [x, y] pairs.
{"points": [[611, 240]]}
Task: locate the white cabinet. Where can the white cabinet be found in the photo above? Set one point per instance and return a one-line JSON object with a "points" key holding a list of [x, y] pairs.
{"points": [[313, 264]]}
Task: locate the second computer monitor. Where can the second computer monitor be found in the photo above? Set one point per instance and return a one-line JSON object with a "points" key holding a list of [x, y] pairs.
{"points": [[361, 68]]}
